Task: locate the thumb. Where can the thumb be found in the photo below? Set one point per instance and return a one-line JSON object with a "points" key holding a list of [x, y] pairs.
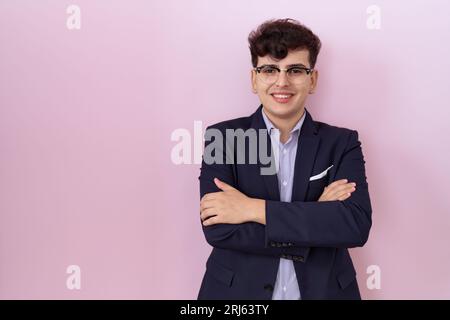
{"points": [[222, 185]]}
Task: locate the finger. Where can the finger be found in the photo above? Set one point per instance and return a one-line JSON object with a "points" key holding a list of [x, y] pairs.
{"points": [[341, 190], [344, 188], [207, 213], [209, 196], [333, 193], [333, 185], [340, 186], [337, 183], [338, 196], [344, 197], [205, 204], [211, 221], [222, 185]]}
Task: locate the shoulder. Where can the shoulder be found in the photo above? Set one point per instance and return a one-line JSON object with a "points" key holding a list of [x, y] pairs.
{"points": [[335, 133]]}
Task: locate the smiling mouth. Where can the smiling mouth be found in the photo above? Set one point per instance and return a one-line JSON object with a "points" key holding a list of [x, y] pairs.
{"points": [[282, 97]]}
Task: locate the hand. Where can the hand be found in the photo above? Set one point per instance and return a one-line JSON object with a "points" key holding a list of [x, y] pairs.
{"points": [[338, 190], [228, 206]]}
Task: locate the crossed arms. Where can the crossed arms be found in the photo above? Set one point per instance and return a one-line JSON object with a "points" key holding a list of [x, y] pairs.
{"points": [[340, 218]]}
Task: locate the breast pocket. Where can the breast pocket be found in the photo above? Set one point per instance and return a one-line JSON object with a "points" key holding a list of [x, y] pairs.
{"points": [[316, 187], [317, 184]]}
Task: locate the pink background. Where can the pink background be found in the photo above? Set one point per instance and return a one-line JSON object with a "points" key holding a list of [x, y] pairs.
{"points": [[86, 118]]}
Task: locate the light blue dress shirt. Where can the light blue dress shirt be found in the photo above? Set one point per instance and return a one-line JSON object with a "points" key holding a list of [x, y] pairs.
{"points": [[286, 285]]}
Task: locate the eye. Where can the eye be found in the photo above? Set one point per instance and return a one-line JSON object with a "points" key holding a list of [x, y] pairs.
{"points": [[296, 70], [269, 70]]}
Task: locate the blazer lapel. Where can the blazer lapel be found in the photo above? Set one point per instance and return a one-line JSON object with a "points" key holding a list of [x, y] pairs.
{"points": [[270, 181], [308, 142]]}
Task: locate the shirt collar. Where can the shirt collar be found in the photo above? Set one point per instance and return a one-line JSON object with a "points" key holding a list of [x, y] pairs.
{"points": [[270, 126]]}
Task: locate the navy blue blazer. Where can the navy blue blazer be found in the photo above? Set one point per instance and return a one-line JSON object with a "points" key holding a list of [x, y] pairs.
{"points": [[244, 260]]}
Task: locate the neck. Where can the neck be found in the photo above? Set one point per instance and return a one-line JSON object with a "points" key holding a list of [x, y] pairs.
{"points": [[286, 124]]}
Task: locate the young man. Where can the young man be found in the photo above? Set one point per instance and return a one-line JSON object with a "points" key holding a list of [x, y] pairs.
{"points": [[284, 235]]}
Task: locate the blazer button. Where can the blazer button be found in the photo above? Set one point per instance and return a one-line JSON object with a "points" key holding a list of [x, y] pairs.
{"points": [[290, 244], [272, 244], [268, 287], [278, 244], [299, 258]]}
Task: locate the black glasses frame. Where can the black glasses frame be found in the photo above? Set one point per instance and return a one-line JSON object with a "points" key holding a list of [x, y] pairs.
{"points": [[307, 70]]}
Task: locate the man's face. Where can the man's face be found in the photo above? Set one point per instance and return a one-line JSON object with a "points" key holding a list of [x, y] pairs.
{"points": [[284, 98]]}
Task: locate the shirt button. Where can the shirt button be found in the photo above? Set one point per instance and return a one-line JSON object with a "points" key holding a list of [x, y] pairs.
{"points": [[284, 151], [284, 288], [285, 183]]}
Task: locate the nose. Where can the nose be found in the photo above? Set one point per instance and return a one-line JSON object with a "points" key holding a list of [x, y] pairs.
{"points": [[282, 80]]}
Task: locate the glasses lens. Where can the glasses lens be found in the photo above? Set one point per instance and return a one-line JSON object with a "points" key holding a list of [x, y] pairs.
{"points": [[296, 75], [269, 74]]}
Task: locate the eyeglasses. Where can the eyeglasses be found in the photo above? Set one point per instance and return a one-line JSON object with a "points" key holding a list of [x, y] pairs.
{"points": [[270, 73]]}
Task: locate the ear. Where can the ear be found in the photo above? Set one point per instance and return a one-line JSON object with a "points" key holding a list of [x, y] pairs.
{"points": [[253, 80], [314, 79]]}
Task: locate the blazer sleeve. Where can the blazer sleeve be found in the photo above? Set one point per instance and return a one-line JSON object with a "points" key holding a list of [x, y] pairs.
{"points": [[337, 224], [246, 237]]}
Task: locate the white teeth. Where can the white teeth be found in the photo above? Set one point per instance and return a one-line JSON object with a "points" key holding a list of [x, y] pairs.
{"points": [[282, 96]]}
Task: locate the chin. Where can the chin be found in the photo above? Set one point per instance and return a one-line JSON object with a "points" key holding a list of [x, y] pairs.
{"points": [[281, 110]]}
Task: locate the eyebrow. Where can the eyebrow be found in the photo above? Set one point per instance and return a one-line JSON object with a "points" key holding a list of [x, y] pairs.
{"points": [[288, 66]]}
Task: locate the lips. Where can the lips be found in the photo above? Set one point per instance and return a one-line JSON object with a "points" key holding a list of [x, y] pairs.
{"points": [[282, 97]]}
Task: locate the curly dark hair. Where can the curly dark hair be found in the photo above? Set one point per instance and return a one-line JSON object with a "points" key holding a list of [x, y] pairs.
{"points": [[278, 37]]}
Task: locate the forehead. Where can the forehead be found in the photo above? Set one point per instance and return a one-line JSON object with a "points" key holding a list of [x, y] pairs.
{"points": [[293, 57]]}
